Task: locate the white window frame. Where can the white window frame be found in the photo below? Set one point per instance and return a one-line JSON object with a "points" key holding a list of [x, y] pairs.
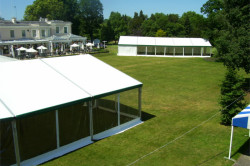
{"points": [[23, 34], [12, 33], [43, 34], [34, 34], [57, 29], [65, 28]]}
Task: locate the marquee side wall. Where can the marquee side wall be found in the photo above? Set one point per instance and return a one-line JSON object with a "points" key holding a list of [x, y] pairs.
{"points": [[127, 50]]}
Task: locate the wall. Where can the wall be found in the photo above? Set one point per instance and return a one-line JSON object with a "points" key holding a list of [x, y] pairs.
{"points": [[127, 50]]}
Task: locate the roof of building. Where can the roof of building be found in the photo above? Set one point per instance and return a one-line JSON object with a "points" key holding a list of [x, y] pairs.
{"points": [[163, 41], [54, 38], [41, 22]]}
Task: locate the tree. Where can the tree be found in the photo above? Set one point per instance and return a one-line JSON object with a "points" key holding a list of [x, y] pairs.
{"points": [[216, 20], [106, 31], [119, 24], [51, 9], [233, 44], [194, 24], [70, 13], [136, 23], [212, 6], [1, 18], [91, 17], [160, 33], [231, 99]]}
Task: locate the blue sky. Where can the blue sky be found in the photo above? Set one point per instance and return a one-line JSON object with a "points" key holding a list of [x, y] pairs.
{"points": [[128, 7]]}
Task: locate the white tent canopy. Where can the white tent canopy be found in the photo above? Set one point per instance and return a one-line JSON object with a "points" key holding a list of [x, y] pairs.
{"points": [[31, 50], [41, 47], [33, 96], [21, 49], [163, 41], [102, 79], [74, 45], [71, 75], [138, 45], [46, 85]]}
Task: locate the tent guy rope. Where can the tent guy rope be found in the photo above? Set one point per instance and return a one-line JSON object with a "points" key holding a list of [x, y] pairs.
{"points": [[177, 138]]}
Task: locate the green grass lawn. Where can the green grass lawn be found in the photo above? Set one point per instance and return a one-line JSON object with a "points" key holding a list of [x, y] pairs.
{"points": [[180, 93]]}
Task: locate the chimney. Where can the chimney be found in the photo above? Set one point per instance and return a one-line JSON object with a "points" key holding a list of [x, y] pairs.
{"points": [[13, 20]]}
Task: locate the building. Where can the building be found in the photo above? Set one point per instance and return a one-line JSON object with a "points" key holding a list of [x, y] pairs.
{"points": [[14, 34], [163, 46]]}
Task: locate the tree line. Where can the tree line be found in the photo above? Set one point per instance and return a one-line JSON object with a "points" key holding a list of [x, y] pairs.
{"points": [[225, 23], [87, 20]]}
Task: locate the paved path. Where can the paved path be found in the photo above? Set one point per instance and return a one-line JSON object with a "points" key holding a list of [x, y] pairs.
{"points": [[244, 160]]}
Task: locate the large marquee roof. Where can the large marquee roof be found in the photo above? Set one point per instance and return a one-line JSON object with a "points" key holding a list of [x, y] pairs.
{"points": [[33, 86], [163, 41]]}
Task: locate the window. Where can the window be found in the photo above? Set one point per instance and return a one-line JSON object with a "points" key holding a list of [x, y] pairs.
{"points": [[43, 33], [12, 34], [33, 33], [49, 33], [23, 33], [57, 29], [65, 29]]}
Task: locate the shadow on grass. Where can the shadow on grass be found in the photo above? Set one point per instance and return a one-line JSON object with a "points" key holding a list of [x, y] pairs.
{"points": [[146, 116], [244, 149], [104, 120]]}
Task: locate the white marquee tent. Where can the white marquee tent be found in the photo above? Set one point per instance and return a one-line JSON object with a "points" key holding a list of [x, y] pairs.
{"points": [[49, 107], [163, 46]]}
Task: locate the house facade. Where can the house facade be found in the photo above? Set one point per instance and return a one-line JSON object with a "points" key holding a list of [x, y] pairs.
{"points": [[14, 34], [23, 30]]}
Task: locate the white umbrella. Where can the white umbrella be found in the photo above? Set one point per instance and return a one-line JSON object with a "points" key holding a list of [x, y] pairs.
{"points": [[31, 50], [42, 48], [21, 49], [89, 44], [74, 45]]}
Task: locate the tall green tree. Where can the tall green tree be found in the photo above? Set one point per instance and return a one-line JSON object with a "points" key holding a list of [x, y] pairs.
{"points": [[232, 96], [119, 24], [91, 17], [216, 21], [194, 24], [233, 44], [135, 25], [51, 9], [106, 32], [70, 13]]}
